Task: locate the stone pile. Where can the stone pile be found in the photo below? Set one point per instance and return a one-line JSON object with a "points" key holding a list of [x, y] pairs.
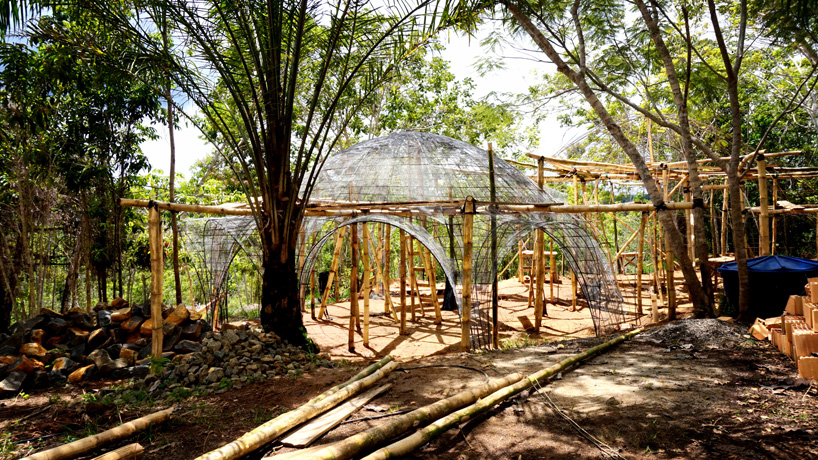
{"points": [[112, 341], [231, 359]]}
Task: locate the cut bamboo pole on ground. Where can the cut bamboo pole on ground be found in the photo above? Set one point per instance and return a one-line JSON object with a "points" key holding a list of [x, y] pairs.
{"points": [[333, 270], [133, 451], [318, 427], [435, 429], [380, 434], [81, 446], [318, 405]]}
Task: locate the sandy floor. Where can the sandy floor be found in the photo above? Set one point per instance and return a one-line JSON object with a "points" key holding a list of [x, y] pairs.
{"points": [[425, 338]]}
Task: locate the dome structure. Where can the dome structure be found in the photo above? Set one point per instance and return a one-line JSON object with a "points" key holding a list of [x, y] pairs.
{"points": [[418, 166], [435, 174]]}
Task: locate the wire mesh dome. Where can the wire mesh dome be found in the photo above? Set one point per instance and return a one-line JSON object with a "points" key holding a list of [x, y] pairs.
{"points": [[417, 166], [410, 166]]}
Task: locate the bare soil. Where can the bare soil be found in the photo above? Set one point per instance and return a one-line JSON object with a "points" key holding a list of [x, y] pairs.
{"points": [[718, 394]]}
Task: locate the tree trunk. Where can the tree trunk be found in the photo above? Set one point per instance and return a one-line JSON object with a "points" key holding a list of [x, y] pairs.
{"points": [[697, 293], [280, 308], [71, 278]]}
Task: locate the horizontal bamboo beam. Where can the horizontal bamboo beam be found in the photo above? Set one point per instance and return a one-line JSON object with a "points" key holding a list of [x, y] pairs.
{"points": [[179, 207]]}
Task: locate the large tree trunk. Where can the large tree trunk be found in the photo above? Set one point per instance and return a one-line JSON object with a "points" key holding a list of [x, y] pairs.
{"points": [[280, 308], [697, 293]]}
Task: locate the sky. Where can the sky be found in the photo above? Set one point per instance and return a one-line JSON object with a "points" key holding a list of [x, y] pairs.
{"points": [[462, 52]]}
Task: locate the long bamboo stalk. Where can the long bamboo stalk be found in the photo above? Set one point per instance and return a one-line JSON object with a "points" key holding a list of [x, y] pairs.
{"points": [[402, 269], [133, 451], [435, 429], [353, 287], [80, 446], [157, 272], [465, 314], [365, 259], [377, 435], [333, 270], [318, 405], [639, 262]]}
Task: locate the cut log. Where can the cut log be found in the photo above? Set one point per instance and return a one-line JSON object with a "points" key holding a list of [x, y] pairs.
{"points": [[423, 436], [285, 422], [133, 451], [80, 446], [313, 430]]}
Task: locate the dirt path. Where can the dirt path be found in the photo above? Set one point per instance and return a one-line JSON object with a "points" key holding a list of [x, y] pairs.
{"points": [[657, 398]]}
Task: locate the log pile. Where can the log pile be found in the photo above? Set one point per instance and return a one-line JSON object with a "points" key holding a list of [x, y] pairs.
{"points": [[795, 332], [113, 341]]}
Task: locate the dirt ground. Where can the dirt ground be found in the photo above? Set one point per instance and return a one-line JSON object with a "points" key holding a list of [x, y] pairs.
{"points": [[722, 395]]}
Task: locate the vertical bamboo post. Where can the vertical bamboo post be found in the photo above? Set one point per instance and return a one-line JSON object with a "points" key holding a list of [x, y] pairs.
{"points": [[353, 286], [520, 261], [387, 263], [773, 217], [421, 253], [691, 250], [573, 290], [312, 293], [671, 289], [465, 316], [375, 244], [713, 229], [654, 254], [410, 259], [764, 217], [539, 248], [402, 270], [365, 259], [495, 315], [552, 268], [639, 262], [432, 275], [388, 307], [155, 243], [654, 309], [302, 297], [333, 271], [724, 202]]}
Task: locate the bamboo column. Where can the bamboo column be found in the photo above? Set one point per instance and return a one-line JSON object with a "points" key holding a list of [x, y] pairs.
{"points": [[387, 263], [724, 202], [539, 247], [773, 220], [402, 269], [671, 289], [413, 283], [312, 293], [764, 217], [333, 271], [353, 286], [155, 243], [520, 261], [713, 231], [365, 259], [495, 300], [691, 250], [388, 306], [302, 297], [639, 262], [465, 316], [552, 273], [431, 274]]}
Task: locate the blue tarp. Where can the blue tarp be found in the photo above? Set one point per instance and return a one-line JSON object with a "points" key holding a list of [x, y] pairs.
{"points": [[774, 264]]}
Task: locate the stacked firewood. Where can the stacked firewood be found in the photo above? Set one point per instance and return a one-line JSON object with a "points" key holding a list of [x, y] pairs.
{"points": [[113, 341]]}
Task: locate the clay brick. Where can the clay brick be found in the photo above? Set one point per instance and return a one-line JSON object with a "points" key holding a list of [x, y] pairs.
{"points": [[808, 368], [795, 306], [808, 308], [805, 343]]}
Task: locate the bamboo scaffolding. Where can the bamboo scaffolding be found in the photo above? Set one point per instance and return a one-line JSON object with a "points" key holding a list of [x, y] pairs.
{"points": [[274, 428], [77, 448], [436, 428]]}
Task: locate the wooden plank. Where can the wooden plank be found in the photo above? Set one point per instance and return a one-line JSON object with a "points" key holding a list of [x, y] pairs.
{"points": [[318, 427]]}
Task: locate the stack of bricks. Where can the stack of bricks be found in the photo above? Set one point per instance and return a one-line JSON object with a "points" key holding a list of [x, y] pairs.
{"points": [[796, 332]]}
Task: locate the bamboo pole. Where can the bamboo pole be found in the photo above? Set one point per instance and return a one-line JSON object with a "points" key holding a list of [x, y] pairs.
{"points": [[413, 282], [539, 246], [764, 217], [312, 293], [520, 270], [465, 316], [691, 250], [274, 428], [431, 274], [133, 451], [654, 254], [301, 248], [724, 202], [333, 271], [671, 289], [495, 315], [438, 427], [178, 207], [389, 307], [155, 243], [387, 265], [773, 218], [365, 259], [402, 236], [81, 446], [552, 273], [639, 262], [353, 287]]}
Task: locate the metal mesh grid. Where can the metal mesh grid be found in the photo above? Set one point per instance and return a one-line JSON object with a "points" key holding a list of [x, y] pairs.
{"points": [[415, 166]]}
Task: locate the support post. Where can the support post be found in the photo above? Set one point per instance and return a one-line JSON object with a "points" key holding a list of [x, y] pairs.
{"points": [[155, 243], [333, 271], [552, 273], [724, 202], [402, 270], [387, 264], [365, 259], [764, 217], [495, 315], [691, 249], [413, 284], [465, 316], [671, 289], [639, 263], [539, 248], [773, 218], [353, 286]]}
